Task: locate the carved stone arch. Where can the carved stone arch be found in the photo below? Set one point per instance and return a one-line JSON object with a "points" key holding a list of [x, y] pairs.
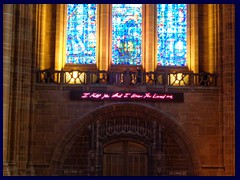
{"points": [[135, 111]]}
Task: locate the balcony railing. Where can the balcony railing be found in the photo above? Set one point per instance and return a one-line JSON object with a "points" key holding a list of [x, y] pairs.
{"points": [[156, 78]]}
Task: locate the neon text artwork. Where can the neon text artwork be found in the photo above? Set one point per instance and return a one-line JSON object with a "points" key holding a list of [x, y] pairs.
{"points": [[146, 96]]}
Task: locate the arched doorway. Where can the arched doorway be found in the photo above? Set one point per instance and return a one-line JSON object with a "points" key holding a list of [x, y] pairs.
{"points": [[169, 150], [125, 158]]}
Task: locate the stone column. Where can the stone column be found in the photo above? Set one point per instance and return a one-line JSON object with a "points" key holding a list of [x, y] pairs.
{"points": [[61, 35], [104, 36], [192, 38], [212, 33], [149, 53], [46, 35], [208, 53], [22, 81], [227, 64], [7, 51]]}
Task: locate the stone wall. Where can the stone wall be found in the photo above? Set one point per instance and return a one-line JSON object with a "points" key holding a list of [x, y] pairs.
{"points": [[198, 116], [35, 117]]}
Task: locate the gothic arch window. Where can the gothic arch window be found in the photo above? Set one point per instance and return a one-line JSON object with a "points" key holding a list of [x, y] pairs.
{"points": [[81, 34], [171, 34], [126, 34]]}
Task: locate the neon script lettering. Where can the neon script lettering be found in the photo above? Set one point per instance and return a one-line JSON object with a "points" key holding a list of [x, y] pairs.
{"points": [[125, 96]]}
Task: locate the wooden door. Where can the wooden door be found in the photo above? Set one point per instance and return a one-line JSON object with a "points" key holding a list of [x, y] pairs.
{"points": [[125, 158]]}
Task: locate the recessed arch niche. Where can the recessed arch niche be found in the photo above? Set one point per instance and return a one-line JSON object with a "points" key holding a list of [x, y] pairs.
{"points": [[82, 148]]}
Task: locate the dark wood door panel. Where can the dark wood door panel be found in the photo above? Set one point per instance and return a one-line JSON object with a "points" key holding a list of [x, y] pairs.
{"points": [[125, 158]]}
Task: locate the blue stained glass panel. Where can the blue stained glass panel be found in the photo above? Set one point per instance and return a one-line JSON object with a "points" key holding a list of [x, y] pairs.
{"points": [[171, 34], [126, 34], [81, 34]]}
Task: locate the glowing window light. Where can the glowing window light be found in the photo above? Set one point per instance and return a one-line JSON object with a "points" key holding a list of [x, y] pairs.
{"points": [[126, 34], [81, 34], [171, 34], [75, 77]]}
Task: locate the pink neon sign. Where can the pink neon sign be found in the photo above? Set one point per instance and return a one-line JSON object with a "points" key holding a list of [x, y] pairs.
{"points": [[169, 97]]}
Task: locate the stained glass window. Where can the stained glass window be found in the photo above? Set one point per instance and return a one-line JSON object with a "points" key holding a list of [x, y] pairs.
{"points": [[81, 34], [126, 34], [172, 34]]}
